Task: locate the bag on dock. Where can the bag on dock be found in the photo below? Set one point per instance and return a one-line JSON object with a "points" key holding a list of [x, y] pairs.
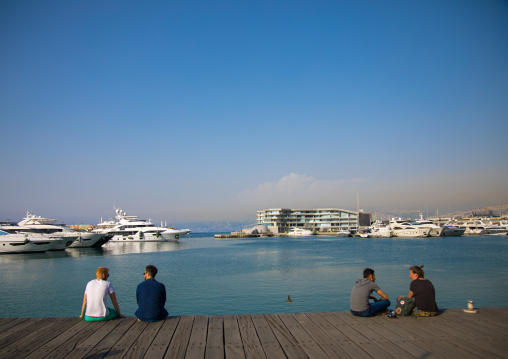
{"points": [[404, 306]]}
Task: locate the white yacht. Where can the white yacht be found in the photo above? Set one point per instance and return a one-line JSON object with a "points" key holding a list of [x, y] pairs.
{"points": [[71, 238], [378, 230], [452, 231], [132, 229], [408, 229], [492, 229], [435, 230], [297, 232], [343, 233], [26, 243], [474, 228], [33, 224]]}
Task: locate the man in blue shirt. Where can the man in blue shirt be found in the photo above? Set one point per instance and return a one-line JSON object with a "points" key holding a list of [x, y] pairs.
{"points": [[151, 297]]}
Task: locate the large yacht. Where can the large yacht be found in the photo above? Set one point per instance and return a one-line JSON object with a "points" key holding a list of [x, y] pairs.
{"points": [[132, 229], [379, 230], [298, 232], [435, 230], [26, 243], [70, 238], [408, 229]]}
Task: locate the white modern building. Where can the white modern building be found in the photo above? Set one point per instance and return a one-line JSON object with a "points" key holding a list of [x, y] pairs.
{"points": [[280, 220]]}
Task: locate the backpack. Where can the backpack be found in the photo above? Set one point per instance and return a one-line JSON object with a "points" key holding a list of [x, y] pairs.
{"points": [[404, 306]]}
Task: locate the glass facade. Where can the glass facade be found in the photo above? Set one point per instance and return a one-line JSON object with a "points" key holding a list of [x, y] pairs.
{"points": [[281, 220]]}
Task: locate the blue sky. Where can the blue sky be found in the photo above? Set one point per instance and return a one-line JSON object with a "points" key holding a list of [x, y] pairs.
{"points": [[201, 110]]}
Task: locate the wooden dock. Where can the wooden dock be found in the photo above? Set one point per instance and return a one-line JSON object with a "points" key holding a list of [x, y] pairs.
{"points": [[454, 334]]}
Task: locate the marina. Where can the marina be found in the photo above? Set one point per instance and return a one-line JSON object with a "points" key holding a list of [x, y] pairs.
{"points": [[208, 276], [453, 334]]}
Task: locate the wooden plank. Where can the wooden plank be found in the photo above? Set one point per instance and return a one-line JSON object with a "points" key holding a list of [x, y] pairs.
{"points": [[83, 348], [161, 341], [215, 339], [307, 343], [101, 340], [8, 323], [489, 323], [251, 343], [326, 343], [20, 330], [268, 341], [365, 328], [53, 345], [481, 348], [438, 345], [233, 346], [197, 341], [82, 330], [346, 323], [178, 345], [407, 345], [141, 345], [287, 342], [353, 350], [124, 344], [37, 338]]}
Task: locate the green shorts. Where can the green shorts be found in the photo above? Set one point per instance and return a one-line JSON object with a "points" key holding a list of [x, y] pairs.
{"points": [[112, 315]]}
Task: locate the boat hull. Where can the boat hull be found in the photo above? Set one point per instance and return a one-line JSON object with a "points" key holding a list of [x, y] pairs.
{"points": [[411, 232], [166, 236], [90, 240], [24, 244]]}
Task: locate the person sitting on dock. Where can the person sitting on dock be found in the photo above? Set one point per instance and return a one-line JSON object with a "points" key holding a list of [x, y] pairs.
{"points": [[96, 296], [151, 297], [361, 293], [423, 292]]}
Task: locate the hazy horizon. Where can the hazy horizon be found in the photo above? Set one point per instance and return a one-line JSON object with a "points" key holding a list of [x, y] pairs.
{"points": [[211, 111]]}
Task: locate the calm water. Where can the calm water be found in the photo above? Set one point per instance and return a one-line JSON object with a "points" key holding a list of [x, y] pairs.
{"points": [[237, 276]]}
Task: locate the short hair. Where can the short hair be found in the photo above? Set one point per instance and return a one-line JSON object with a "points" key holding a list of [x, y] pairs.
{"points": [[152, 270], [418, 271], [100, 271], [367, 272]]}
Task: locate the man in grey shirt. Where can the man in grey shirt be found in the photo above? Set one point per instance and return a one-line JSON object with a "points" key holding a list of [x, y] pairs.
{"points": [[361, 293]]}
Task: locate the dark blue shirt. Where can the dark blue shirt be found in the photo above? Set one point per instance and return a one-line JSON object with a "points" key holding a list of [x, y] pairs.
{"points": [[151, 297]]}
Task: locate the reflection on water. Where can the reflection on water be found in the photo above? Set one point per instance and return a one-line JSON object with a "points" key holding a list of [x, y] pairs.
{"points": [[139, 247], [115, 248]]}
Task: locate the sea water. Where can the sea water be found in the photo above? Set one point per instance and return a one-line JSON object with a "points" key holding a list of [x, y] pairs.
{"points": [[208, 276]]}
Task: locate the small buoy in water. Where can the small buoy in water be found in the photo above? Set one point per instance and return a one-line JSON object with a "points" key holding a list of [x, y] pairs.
{"points": [[289, 300]]}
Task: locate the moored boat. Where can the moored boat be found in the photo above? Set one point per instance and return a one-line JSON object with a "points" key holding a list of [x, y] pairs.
{"points": [[343, 233], [27, 243], [297, 232], [408, 229], [132, 229]]}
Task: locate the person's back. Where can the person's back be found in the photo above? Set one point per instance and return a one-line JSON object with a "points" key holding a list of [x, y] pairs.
{"points": [[151, 298], [95, 298], [97, 293], [359, 302]]}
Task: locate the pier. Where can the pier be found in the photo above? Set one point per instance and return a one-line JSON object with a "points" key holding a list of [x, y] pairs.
{"points": [[453, 334]]}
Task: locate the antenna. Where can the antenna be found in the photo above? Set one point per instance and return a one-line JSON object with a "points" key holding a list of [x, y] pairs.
{"points": [[357, 202]]}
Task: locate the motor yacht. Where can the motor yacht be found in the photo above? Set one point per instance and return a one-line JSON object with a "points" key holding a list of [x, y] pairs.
{"points": [[71, 238], [435, 230], [492, 229], [402, 228], [378, 230], [27, 243], [297, 232], [132, 229], [474, 228], [343, 233]]}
